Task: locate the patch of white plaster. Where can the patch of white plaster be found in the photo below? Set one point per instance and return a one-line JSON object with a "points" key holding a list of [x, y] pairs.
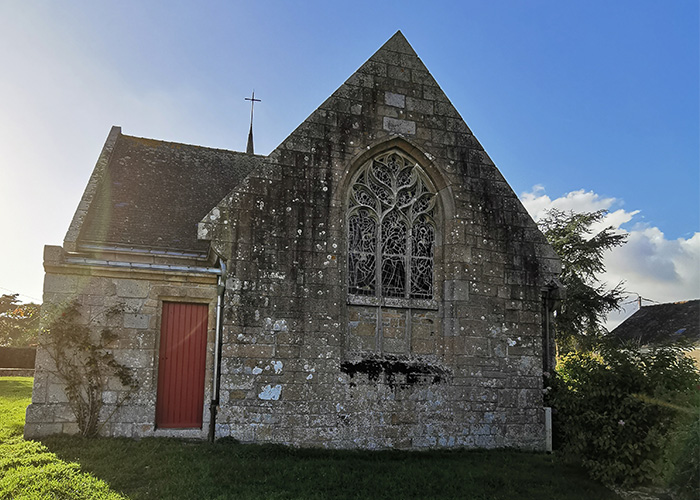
{"points": [[310, 376], [277, 366], [257, 370], [275, 275], [270, 393]]}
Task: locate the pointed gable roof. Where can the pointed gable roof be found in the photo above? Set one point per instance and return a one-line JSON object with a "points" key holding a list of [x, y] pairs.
{"points": [[401, 93], [392, 100], [151, 194]]}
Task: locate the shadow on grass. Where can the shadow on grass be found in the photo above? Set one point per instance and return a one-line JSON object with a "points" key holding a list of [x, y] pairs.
{"points": [[15, 396], [28, 470], [174, 469], [166, 468]]}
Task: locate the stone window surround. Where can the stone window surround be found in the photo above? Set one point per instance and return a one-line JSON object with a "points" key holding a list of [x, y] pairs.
{"points": [[397, 146]]}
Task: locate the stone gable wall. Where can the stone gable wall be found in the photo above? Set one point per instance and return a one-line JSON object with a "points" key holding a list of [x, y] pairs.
{"points": [[301, 366]]}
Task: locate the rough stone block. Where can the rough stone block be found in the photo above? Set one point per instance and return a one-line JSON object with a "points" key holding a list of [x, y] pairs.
{"points": [[60, 283], [397, 100], [137, 321], [419, 105], [132, 288], [396, 126]]}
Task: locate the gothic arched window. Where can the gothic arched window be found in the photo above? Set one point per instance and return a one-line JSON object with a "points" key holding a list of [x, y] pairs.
{"points": [[391, 230]]}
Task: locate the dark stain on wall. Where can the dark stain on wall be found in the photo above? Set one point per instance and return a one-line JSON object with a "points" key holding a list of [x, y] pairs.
{"points": [[396, 372]]}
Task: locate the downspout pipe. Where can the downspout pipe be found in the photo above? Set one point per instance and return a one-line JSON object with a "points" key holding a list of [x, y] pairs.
{"points": [[216, 378], [552, 297]]}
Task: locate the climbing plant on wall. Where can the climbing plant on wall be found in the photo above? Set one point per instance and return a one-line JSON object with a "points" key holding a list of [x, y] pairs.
{"points": [[79, 347]]}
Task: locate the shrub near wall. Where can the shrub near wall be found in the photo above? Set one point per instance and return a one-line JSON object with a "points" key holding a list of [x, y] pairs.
{"points": [[621, 410]]}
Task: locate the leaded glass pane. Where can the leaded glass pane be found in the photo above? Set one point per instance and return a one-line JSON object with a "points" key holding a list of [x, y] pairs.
{"points": [[422, 260], [362, 247], [390, 226], [404, 178], [394, 234], [363, 196], [421, 278], [423, 239], [393, 276]]}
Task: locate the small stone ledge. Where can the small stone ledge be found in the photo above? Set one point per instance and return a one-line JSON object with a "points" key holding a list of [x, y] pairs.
{"points": [[395, 302]]}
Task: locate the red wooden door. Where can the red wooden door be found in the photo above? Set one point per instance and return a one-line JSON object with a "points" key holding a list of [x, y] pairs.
{"points": [[181, 365]]}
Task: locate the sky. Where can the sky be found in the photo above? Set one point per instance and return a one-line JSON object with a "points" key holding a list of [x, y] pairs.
{"points": [[582, 105]]}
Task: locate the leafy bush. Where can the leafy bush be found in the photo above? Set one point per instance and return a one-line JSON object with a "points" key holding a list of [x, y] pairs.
{"points": [[619, 409], [685, 477]]}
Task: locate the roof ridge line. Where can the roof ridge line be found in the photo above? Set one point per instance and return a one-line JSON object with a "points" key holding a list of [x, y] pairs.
{"points": [[192, 145]]}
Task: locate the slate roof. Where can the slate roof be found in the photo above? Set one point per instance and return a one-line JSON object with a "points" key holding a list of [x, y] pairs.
{"points": [[662, 323], [153, 193]]}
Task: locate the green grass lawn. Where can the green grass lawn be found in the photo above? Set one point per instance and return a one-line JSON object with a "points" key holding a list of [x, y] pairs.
{"points": [[63, 467], [28, 469]]}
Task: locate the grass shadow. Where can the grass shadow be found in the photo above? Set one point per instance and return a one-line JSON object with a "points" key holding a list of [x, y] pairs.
{"points": [[66, 467], [167, 468]]}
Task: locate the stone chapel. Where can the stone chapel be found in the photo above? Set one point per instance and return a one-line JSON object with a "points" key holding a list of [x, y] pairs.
{"points": [[373, 282]]}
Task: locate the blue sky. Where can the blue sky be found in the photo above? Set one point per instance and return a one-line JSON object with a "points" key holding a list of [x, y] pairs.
{"points": [[595, 97]]}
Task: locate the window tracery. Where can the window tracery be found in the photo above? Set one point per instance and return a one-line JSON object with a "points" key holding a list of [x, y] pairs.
{"points": [[391, 230]]}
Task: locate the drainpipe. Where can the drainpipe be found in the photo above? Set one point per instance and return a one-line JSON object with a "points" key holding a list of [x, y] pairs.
{"points": [[216, 379], [547, 365], [552, 296], [548, 329]]}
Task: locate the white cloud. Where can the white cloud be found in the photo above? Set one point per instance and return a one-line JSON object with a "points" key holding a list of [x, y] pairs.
{"points": [[652, 266]]}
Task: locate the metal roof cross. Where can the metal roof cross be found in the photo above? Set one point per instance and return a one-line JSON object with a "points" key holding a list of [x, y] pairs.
{"points": [[253, 100]]}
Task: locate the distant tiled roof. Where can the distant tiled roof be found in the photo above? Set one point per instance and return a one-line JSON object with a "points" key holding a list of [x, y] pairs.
{"points": [[662, 323], [153, 193]]}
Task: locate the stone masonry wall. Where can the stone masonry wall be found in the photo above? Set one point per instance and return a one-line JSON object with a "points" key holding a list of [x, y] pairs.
{"points": [[138, 328], [303, 365]]}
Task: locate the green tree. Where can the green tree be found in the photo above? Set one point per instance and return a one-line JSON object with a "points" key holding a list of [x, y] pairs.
{"points": [[580, 320], [19, 323]]}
